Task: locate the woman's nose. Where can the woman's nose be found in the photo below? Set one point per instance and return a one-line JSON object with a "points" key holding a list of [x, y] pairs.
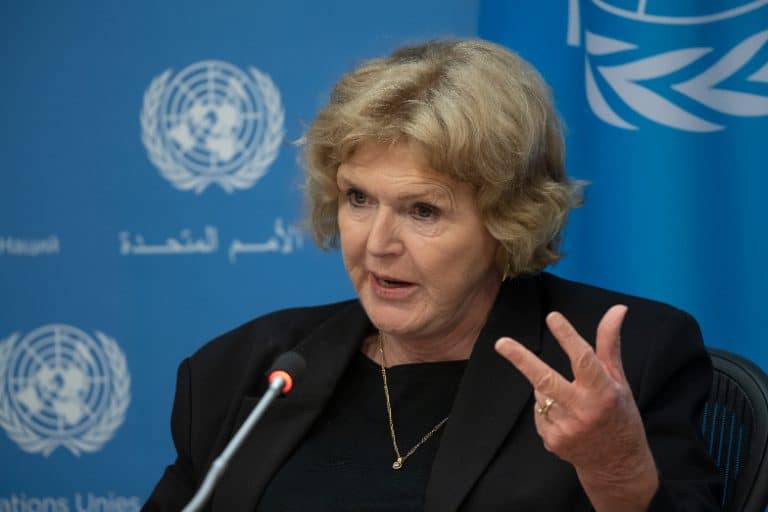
{"points": [[383, 236]]}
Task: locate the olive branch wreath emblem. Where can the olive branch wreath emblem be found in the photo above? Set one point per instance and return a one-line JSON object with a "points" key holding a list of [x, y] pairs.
{"points": [[706, 88], [181, 177], [110, 418]]}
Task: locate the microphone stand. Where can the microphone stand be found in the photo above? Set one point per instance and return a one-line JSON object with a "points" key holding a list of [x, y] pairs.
{"points": [[276, 386]]}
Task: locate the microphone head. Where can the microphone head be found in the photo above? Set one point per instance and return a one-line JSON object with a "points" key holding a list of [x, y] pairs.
{"points": [[290, 366]]}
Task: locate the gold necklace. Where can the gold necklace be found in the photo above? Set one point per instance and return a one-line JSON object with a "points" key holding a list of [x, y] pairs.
{"points": [[400, 460]]}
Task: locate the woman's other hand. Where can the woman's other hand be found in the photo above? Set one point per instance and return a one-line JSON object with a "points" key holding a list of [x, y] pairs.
{"points": [[593, 421]]}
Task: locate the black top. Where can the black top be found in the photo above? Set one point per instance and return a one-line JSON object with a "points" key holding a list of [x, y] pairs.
{"points": [[345, 461]]}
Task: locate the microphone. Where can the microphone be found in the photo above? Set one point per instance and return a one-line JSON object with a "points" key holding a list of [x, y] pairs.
{"points": [[289, 366], [286, 369]]}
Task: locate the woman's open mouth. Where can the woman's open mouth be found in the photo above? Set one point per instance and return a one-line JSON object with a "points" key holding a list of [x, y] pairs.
{"points": [[390, 287], [391, 283]]}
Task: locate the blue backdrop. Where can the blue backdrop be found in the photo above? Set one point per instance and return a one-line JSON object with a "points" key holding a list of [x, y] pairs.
{"points": [[666, 111], [150, 197]]}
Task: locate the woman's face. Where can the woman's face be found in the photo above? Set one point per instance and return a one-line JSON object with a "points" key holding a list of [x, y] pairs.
{"points": [[413, 242]]}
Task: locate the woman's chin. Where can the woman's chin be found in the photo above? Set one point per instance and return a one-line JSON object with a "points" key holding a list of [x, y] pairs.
{"points": [[394, 321]]}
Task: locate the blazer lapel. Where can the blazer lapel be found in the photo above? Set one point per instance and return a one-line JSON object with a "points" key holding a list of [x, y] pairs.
{"points": [[490, 398], [327, 351]]}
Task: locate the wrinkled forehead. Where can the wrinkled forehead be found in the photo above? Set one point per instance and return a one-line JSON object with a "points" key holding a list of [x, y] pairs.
{"points": [[401, 170], [403, 156], [363, 153]]}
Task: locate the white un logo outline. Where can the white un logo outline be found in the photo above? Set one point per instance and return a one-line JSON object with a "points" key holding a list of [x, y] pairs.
{"points": [[61, 387], [212, 124]]}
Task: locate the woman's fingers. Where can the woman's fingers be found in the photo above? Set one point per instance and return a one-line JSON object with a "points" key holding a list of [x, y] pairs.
{"points": [[544, 379], [585, 365], [608, 343], [593, 422]]}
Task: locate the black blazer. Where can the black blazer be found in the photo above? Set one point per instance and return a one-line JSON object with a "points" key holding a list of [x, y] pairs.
{"points": [[490, 457]]}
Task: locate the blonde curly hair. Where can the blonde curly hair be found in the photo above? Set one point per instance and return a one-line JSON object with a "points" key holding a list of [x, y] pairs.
{"points": [[482, 115]]}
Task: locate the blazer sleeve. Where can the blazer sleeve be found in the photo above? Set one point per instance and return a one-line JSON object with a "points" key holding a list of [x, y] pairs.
{"points": [[178, 483], [675, 384]]}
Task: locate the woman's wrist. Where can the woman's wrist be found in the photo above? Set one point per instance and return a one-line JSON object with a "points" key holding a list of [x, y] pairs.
{"points": [[629, 486]]}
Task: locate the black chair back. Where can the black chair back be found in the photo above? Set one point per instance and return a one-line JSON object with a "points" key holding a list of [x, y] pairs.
{"points": [[735, 428]]}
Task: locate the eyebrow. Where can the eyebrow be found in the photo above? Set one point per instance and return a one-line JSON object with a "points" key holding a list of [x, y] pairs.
{"points": [[434, 194], [431, 191], [342, 180]]}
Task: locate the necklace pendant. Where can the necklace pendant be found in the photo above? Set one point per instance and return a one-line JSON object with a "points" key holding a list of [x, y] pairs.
{"points": [[398, 463]]}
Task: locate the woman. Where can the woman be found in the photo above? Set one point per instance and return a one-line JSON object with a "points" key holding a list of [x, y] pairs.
{"points": [[463, 377]]}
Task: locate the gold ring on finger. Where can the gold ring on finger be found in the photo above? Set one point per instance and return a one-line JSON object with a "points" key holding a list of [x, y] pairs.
{"points": [[544, 408]]}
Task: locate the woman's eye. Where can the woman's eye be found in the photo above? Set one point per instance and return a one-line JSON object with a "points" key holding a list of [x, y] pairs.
{"points": [[356, 197], [425, 212]]}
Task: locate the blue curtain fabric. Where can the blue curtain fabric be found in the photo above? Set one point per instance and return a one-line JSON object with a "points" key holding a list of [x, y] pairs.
{"points": [[666, 113]]}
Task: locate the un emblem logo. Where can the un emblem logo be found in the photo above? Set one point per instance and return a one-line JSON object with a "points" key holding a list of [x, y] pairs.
{"points": [[690, 66], [212, 123], [61, 387]]}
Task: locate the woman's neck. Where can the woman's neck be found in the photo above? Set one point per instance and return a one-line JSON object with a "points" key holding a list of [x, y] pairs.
{"points": [[451, 345]]}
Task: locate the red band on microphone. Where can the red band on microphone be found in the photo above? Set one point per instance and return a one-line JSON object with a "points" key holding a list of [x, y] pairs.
{"points": [[286, 378]]}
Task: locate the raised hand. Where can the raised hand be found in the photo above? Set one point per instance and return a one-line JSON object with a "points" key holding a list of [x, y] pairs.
{"points": [[593, 421]]}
